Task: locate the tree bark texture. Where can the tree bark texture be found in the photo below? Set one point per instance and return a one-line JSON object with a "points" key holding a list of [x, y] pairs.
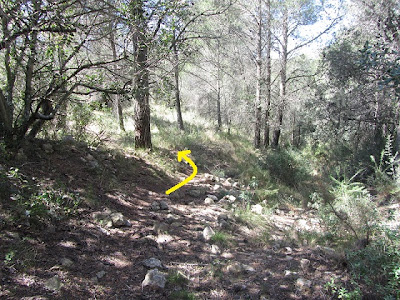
{"points": [[268, 78], [282, 87], [141, 80], [257, 125]]}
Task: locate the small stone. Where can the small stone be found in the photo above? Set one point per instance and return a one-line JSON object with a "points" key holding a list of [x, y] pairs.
{"points": [[155, 205], [66, 262], [248, 269], [216, 187], [288, 250], [118, 220], [152, 263], [208, 201], [208, 178], [236, 185], [227, 183], [164, 238], [154, 279], [287, 273], [215, 249], [234, 268], [171, 218], [213, 197], [257, 209], [54, 284], [164, 205], [100, 274], [208, 233], [231, 198], [303, 284]]}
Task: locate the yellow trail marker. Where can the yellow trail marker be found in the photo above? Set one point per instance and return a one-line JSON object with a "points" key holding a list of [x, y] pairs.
{"points": [[183, 154]]}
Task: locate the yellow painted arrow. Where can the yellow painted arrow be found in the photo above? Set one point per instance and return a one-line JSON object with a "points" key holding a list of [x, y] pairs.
{"points": [[183, 154]]}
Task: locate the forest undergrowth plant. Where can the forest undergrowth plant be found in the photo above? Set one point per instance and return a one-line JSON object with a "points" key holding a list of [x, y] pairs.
{"points": [[350, 214], [377, 267], [386, 178]]}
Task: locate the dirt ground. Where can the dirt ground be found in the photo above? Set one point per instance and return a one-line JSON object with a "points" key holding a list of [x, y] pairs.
{"points": [[89, 260]]}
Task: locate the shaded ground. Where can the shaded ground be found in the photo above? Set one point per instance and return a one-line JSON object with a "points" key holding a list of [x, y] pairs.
{"points": [[107, 262]]}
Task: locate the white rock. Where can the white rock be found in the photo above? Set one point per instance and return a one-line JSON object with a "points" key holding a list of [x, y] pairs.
{"points": [[215, 198], [154, 279], [118, 220], [216, 187], [288, 250], [303, 284], [257, 209], [208, 178], [208, 201], [248, 269], [208, 233], [215, 249]]}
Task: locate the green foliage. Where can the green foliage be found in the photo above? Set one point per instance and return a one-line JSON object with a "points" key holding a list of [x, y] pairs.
{"points": [[9, 257], [351, 212], [182, 295], [342, 293], [378, 267], [286, 167], [176, 278], [385, 175], [51, 204], [81, 116], [221, 239]]}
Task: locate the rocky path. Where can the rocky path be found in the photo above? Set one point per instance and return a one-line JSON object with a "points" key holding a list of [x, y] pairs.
{"points": [[142, 244]]}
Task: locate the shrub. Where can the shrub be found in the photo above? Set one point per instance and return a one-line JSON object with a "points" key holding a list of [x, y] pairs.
{"points": [[350, 211], [377, 266], [286, 167]]}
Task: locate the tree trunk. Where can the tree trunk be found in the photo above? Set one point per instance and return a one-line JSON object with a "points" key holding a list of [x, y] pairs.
{"points": [[141, 81], [282, 88], [268, 78], [219, 118], [177, 91], [117, 107], [257, 125]]}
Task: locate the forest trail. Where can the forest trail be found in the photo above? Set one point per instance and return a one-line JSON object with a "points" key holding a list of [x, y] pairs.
{"points": [[102, 252]]}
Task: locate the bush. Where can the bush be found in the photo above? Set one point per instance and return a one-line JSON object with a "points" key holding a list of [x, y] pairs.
{"points": [[377, 266], [351, 211], [286, 167]]}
